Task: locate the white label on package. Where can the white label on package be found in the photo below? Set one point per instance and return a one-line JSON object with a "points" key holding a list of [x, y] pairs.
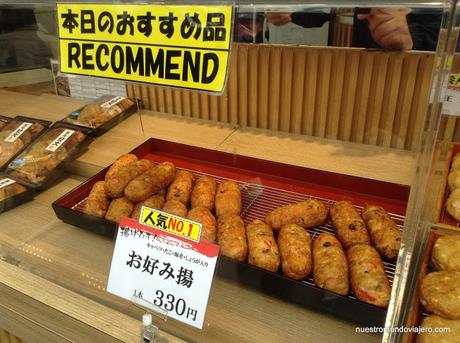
{"points": [[112, 102], [172, 272], [6, 182], [60, 140], [18, 132]]}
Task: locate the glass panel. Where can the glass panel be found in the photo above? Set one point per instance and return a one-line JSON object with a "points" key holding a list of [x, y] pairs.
{"points": [[438, 207], [328, 101]]}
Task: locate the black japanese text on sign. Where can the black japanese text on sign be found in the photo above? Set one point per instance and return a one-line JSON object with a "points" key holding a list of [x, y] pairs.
{"points": [[172, 272], [173, 224], [179, 46]]}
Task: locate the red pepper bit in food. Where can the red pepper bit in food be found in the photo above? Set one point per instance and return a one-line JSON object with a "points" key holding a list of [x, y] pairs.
{"points": [[363, 294]]}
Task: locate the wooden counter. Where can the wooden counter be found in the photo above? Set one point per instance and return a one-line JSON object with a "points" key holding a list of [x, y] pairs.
{"points": [[61, 271]]}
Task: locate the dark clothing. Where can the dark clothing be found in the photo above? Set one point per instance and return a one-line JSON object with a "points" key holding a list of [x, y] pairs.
{"points": [[14, 19], [248, 28], [20, 46], [423, 26], [311, 19]]}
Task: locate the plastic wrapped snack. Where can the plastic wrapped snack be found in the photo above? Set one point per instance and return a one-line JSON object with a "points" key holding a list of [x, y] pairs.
{"points": [[17, 135], [104, 113], [12, 193], [39, 163], [3, 121]]}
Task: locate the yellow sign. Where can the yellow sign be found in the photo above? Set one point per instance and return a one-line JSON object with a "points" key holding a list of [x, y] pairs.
{"points": [[178, 46], [173, 224], [454, 80]]}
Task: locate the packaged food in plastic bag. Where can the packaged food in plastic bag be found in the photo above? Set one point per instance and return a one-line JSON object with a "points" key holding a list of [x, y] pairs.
{"points": [[17, 135], [39, 164]]}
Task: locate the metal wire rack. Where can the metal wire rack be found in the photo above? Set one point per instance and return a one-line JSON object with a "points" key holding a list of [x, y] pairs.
{"points": [[258, 200]]}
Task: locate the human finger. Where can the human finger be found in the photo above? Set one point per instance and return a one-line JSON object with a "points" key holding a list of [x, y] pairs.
{"points": [[396, 41], [376, 20], [386, 28]]}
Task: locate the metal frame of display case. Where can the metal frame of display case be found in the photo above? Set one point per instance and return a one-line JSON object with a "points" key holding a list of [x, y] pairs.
{"points": [[420, 213], [434, 157]]}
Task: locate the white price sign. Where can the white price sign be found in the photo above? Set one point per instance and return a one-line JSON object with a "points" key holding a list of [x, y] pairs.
{"points": [[112, 102], [18, 132], [170, 271], [61, 139], [6, 182]]}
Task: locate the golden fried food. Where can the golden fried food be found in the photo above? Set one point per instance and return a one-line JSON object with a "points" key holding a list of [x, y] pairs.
{"points": [[231, 236], [367, 275], [330, 268], [117, 182], [440, 294], [446, 253], [120, 207], [294, 243], [263, 250], [98, 201], [96, 114], [439, 330], [203, 216], [162, 192], [349, 226], [126, 103], [121, 162], [453, 179], [455, 162], [307, 214], [204, 193], [453, 204], [155, 201], [9, 188], [385, 234], [151, 182], [181, 188], [41, 159], [175, 207], [228, 199], [15, 136]]}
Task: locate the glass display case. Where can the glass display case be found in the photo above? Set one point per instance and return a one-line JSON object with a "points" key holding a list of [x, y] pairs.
{"points": [[438, 225], [330, 125]]}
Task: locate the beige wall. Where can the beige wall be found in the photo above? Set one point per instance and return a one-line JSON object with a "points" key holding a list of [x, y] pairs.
{"points": [[356, 95]]}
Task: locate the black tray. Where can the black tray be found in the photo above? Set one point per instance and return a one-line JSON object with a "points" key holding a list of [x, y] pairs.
{"points": [[303, 293], [279, 184], [17, 199]]}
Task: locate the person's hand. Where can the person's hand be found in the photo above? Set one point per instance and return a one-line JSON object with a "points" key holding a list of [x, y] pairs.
{"points": [[388, 27], [278, 19]]}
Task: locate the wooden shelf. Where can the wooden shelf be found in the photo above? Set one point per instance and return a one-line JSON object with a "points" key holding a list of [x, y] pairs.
{"points": [[54, 275]]}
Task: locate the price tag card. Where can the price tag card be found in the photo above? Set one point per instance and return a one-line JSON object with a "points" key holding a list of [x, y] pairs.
{"points": [[171, 271]]}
